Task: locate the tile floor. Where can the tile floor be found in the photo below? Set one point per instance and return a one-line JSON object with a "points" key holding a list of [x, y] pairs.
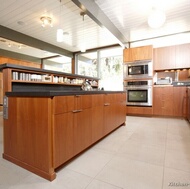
{"points": [[147, 153]]}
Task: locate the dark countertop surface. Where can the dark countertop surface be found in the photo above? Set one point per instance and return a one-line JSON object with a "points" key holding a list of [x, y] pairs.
{"points": [[58, 93]]}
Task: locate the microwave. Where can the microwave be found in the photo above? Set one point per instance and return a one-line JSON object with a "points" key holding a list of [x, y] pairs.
{"points": [[137, 70]]}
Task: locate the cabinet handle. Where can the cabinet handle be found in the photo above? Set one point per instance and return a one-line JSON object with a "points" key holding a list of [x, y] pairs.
{"points": [[107, 104], [76, 111], [77, 95]]}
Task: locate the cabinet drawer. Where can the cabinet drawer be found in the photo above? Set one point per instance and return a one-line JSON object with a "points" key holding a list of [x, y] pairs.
{"points": [[82, 101], [109, 98], [97, 100], [62, 104]]}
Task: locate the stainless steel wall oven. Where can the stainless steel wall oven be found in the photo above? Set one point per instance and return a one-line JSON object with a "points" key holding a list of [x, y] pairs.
{"points": [[139, 93]]}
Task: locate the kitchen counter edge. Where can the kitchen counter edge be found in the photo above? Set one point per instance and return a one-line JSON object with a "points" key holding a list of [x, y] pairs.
{"points": [[57, 93]]}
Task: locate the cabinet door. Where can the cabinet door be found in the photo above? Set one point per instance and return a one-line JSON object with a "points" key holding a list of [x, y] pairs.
{"points": [[138, 53], [120, 113], [188, 105], [63, 138], [167, 97], [109, 112], [182, 56], [126, 55], [141, 53], [82, 130], [163, 101], [83, 101], [157, 101], [180, 101], [97, 117], [164, 58], [62, 104]]}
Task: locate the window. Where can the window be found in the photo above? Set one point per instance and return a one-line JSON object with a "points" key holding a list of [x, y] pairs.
{"points": [[87, 64], [61, 64], [106, 64]]}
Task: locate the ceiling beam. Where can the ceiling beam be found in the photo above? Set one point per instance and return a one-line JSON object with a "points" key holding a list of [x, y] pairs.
{"points": [[13, 35], [96, 14]]}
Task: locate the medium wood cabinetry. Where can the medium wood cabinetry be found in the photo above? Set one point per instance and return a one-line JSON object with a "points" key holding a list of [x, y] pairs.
{"points": [[164, 58], [138, 53], [50, 130], [172, 57], [134, 110], [163, 101], [170, 101], [188, 104], [180, 101], [97, 118], [182, 56], [72, 127]]}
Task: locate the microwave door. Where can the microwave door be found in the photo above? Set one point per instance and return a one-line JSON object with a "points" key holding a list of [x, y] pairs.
{"points": [[135, 70]]}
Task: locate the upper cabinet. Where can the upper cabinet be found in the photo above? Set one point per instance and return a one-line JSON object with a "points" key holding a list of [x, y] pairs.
{"points": [[182, 56], [172, 57], [138, 53], [164, 58]]}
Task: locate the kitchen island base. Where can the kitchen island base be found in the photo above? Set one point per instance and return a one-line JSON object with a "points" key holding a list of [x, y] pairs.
{"points": [[41, 133]]}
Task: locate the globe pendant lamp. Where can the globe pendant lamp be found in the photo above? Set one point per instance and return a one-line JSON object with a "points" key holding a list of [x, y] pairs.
{"points": [[156, 19]]}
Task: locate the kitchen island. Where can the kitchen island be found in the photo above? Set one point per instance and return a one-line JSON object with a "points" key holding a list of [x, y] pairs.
{"points": [[49, 119], [43, 130]]}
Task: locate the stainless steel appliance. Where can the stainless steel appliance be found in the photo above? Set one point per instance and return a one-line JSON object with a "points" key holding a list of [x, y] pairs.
{"points": [[139, 69], [164, 81], [139, 93]]}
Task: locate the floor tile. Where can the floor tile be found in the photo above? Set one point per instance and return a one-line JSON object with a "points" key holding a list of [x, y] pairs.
{"points": [[146, 153], [178, 142], [176, 179], [90, 163], [113, 142], [127, 173], [156, 139], [178, 160], [96, 184]]}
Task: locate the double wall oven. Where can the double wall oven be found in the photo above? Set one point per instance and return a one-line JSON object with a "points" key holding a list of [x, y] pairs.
{"points": [[138, 83]]}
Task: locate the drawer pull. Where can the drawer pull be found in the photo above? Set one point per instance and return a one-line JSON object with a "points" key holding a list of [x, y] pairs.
{"points": [[76, 111], [106, 104]]}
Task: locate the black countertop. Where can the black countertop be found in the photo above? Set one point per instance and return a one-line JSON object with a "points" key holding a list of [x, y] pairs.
{"points": [[57, 93]]}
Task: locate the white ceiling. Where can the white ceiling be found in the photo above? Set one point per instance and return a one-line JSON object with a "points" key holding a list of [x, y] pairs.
{"points": [[128, 16]]}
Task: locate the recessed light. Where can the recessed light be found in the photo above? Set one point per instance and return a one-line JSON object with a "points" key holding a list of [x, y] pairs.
{"points": [[21, 23]]}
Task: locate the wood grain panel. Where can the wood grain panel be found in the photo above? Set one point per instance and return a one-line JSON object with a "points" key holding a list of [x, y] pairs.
{"points": [[63, 138], [27, 133]]}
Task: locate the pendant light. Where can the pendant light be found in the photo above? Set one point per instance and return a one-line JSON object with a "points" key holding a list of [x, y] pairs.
{"points": [[83, 46], [60, 31], [156, 19]]}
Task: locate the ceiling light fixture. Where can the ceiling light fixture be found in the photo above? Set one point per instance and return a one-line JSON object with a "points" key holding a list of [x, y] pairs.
{"points": [[46, 20], [156, 19], [83, 46], [60, 31]]}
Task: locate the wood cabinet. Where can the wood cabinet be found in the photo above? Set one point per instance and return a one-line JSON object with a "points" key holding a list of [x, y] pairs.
{"points": [[109, 111], [97, 118], [170, 101], [134, 110], [188, 104], [164, 58], [163, 101], [138, 53], [50, 130], [172, 57], [180, 101], [182, 56]]}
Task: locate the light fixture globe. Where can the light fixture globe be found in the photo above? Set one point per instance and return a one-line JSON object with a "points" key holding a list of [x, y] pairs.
{"points": [[156, 19]]}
